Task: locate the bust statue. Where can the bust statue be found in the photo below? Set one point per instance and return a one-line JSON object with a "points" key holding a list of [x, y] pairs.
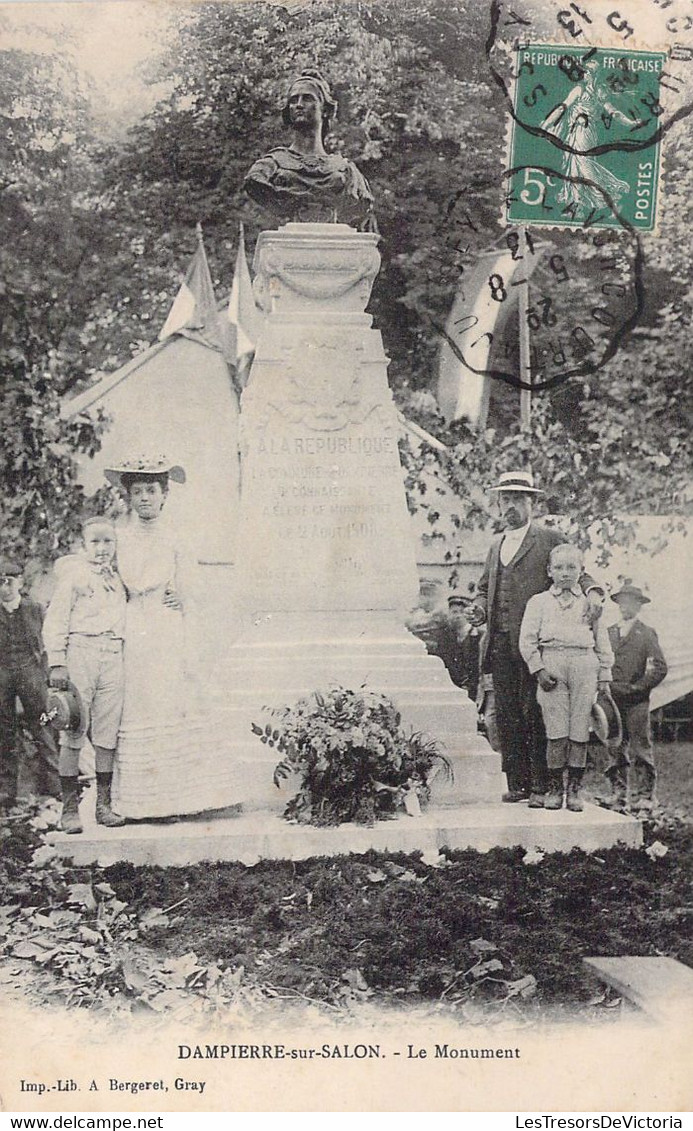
{"points": [[302, 182]]}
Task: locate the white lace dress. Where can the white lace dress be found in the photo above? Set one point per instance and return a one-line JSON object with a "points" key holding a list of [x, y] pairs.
{"points": [[169, 759]]}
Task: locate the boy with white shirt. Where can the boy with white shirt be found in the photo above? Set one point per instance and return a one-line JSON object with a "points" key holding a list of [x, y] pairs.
{"points": [[571, 657], [83, 633], [515, 570]]}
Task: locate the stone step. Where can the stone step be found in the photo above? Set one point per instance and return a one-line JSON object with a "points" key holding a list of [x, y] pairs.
{"points": [[475, 776], [662, 987], [455, 729], [250, 837]]}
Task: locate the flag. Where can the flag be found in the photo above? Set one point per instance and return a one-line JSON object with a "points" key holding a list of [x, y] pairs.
{"points": [[244, 316], [194, 312], [476, 318]]}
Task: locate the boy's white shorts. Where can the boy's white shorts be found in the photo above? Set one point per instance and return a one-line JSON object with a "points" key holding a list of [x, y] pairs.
{"points": [[95, 666]]}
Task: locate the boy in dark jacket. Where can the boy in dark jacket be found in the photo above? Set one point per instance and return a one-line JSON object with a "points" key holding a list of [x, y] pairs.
{"points": [[639, 666], [23, 677]]}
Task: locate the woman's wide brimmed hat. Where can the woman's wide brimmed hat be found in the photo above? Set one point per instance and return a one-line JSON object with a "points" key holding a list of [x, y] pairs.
{"points": [[66, 710], [628, 590], [145, 465], [606, 720], [520, 481]]}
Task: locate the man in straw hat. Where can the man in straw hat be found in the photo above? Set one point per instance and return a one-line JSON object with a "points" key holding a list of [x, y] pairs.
{"points": [[639, 666], [516, 569]]}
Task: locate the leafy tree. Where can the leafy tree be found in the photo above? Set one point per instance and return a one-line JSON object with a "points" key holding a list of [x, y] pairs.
{"points": [[104, 231], [423, 118], [49, 224]]}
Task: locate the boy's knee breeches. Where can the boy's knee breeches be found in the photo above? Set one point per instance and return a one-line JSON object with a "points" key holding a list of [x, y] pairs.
{"points": [[568, 707], [95, 666]]}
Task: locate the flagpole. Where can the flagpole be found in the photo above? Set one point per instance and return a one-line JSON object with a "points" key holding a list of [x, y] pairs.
{"points": [[525, 346]]}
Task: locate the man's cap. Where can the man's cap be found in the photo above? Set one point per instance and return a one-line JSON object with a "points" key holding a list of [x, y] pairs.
{"points": [[630, 590], [145, 465], [520, 481], [428, 584], [459, 599], [10, 567]]}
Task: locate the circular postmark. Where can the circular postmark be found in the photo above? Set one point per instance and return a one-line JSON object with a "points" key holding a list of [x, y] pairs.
{"points": [[573, 296], [579, 78], [556, 296]]}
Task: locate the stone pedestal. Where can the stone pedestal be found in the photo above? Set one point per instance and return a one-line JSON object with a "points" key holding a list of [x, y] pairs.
{"points": [[326, 558], [254, 836]]}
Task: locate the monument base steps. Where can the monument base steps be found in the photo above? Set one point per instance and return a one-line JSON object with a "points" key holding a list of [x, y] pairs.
{"points": [[286, 656], [248, 838]]}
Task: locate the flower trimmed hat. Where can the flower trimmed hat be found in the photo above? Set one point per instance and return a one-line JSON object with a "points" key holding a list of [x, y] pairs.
{"points": [[145, 465]]}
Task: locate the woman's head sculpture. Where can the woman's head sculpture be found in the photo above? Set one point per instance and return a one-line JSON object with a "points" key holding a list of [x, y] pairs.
{"points": [[301, 181], [313, 82]]}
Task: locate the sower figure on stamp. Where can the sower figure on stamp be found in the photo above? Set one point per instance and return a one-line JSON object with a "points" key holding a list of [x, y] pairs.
{"points": [[639, 666], [23, 677], [516, 569], [302, 181]]}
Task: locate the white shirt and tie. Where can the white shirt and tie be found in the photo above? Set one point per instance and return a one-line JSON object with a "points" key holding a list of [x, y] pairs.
{"points": [[512, 540]]}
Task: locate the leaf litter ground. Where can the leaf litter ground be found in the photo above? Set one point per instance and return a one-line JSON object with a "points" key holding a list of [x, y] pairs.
{"points": [[489, 936]]}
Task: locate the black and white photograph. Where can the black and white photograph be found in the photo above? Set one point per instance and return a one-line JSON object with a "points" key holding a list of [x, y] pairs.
{"points": [[346, 640]]}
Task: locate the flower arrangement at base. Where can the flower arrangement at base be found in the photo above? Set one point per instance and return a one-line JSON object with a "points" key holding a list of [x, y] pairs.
{"points": [[354, 760]]}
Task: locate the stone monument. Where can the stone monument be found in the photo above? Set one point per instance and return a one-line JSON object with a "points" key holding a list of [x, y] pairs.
{"points": [[326, 559]]}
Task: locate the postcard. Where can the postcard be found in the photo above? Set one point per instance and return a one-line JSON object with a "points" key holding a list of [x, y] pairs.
{"points": [[344, 596]]}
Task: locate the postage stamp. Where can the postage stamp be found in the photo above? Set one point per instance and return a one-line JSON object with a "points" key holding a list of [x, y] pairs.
{"points": [[585, 138]]}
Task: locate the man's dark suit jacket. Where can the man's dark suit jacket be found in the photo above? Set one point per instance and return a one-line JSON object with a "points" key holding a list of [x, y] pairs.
{"points": [[32, 615], [633, 677], [527, 575]]}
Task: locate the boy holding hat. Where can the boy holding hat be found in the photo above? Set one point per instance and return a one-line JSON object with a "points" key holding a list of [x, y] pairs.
{"points": [[428, 621], [83, 633], [516, 569], [23, 676], [639, 666], [571, 658]]}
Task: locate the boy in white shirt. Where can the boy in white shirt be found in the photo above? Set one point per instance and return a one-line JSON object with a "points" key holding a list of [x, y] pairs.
{"points": [[83, 633], [572, 659]]}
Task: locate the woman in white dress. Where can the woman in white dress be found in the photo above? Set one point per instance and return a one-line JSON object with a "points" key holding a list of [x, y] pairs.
{"points": [[169, 760]]}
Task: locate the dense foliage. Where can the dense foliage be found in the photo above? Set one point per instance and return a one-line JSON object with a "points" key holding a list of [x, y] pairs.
{"points": [[49, 262], [101, 225], [353, 760]]}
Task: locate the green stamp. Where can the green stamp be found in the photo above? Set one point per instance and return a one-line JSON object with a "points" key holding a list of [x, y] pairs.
{"points": [[585, 138]]}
